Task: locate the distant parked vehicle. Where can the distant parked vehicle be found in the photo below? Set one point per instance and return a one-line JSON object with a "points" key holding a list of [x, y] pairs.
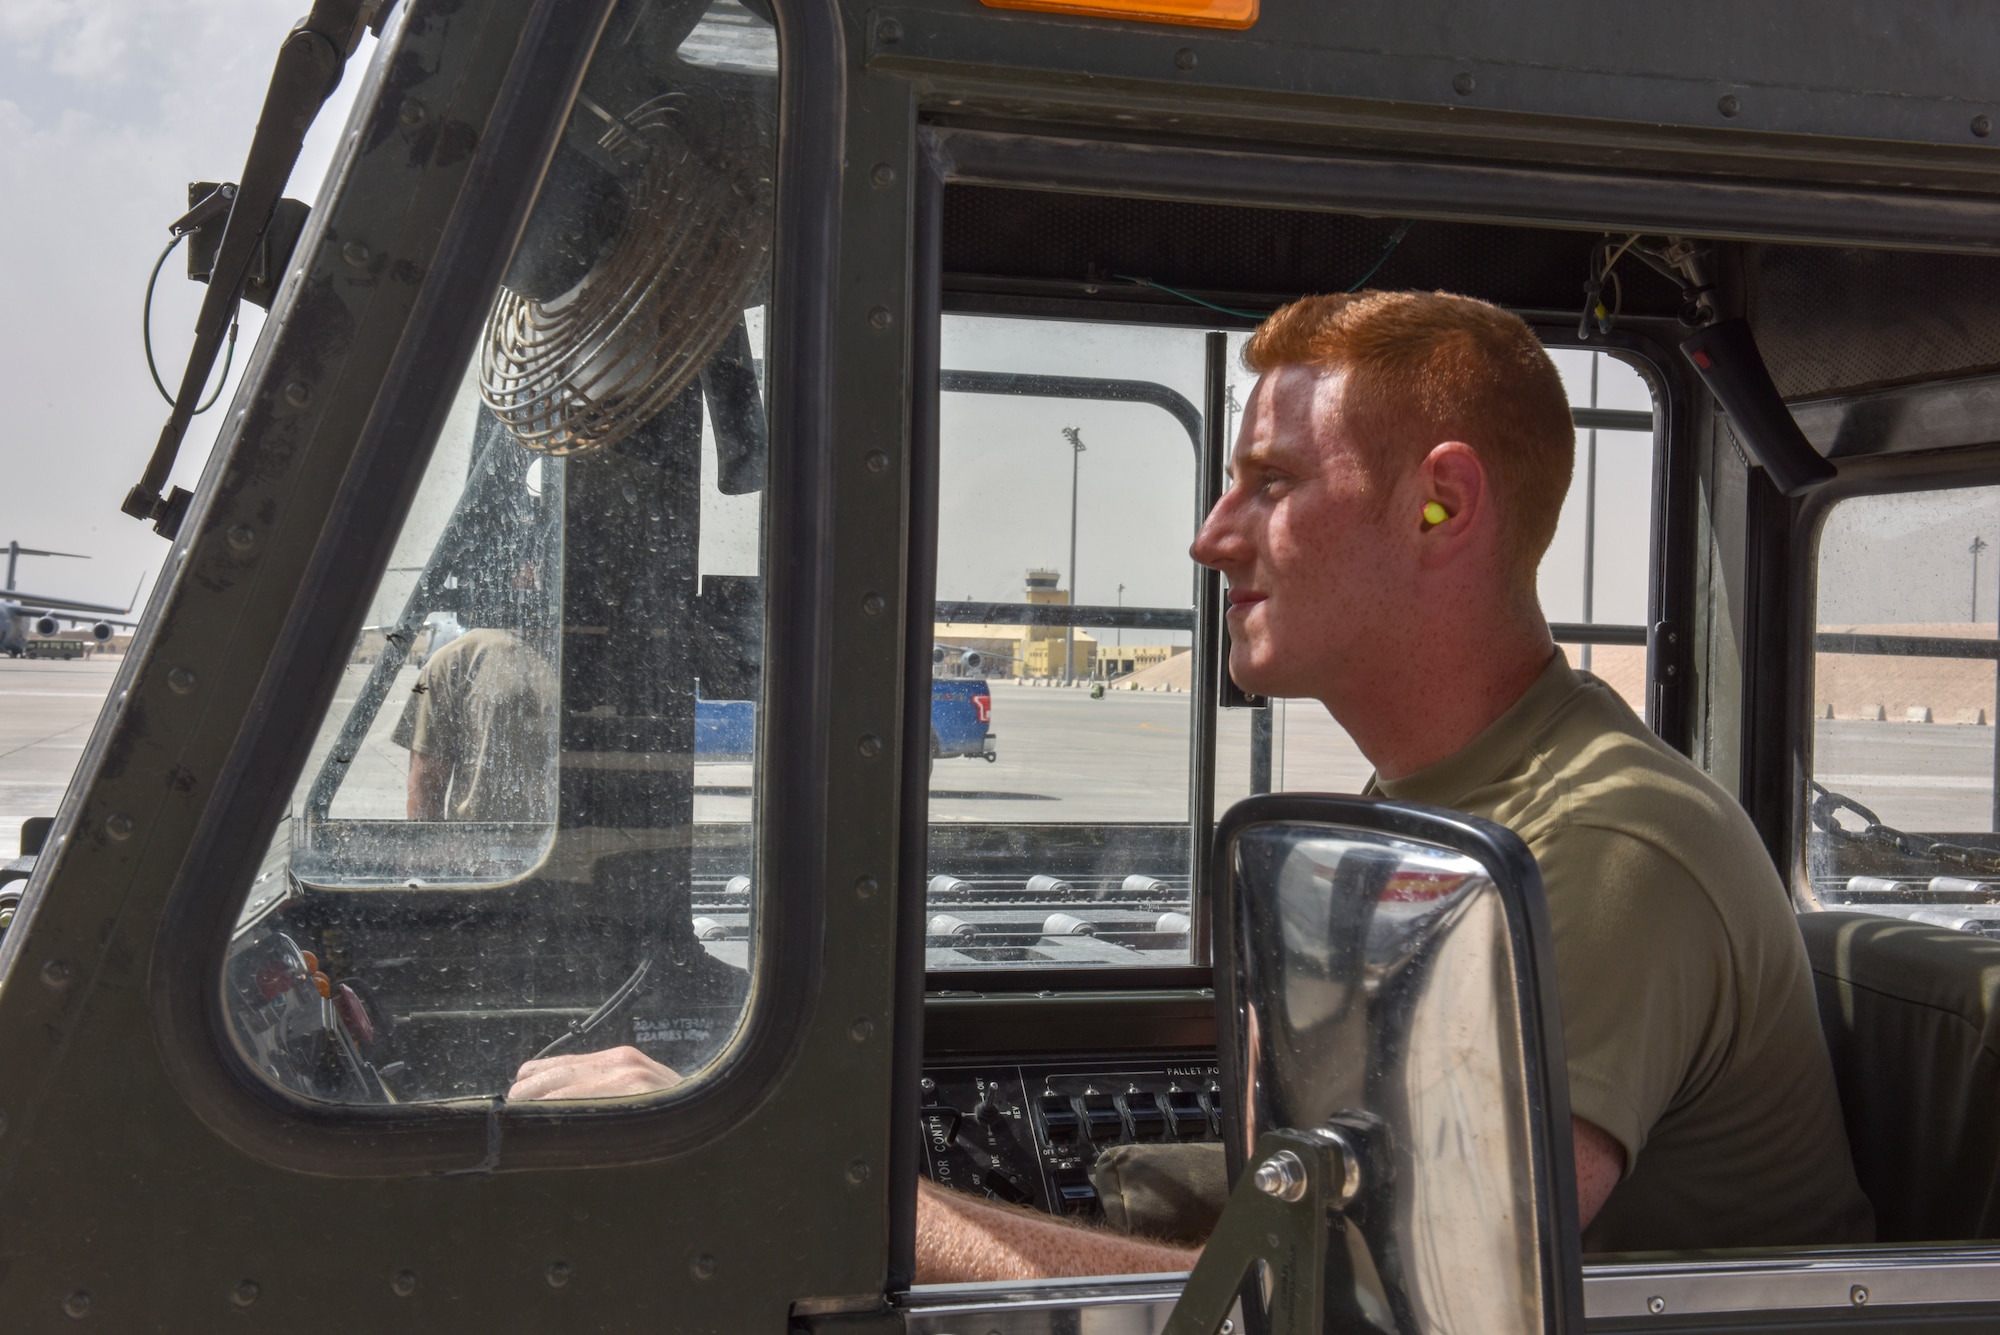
{"points": [[961, 723]]}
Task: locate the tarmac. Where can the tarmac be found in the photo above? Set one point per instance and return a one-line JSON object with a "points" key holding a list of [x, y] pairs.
{"points": [[1062, 757]]}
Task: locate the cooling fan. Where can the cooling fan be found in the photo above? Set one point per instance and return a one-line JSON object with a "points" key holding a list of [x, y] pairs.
{"points": [[651, 235]]}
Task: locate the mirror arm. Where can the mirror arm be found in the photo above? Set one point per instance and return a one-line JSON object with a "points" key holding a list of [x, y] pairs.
{"points": [[1287, 1212]]}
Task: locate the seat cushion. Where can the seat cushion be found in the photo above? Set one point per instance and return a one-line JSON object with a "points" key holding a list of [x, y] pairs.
{"points": [[1910, 1013]]}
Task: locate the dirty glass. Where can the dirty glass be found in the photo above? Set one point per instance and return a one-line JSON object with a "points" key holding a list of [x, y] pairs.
{"points": [[1061, 718], [519, 860], [1901, 804]]}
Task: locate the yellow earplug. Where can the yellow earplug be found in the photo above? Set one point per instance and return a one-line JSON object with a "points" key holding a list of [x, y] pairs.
{"points": [[1435, 513]]}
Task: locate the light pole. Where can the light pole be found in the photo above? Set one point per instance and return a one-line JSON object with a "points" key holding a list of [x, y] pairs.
{"points": [[1590, 515], [1978, 546], [1075, 439], [1121, 607]]}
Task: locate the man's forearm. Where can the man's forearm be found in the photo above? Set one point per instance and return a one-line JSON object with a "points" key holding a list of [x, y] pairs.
{"points": [[963, 1239]]}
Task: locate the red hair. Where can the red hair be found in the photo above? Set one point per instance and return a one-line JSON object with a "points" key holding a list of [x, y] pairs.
{"points": [[1427, 367]]}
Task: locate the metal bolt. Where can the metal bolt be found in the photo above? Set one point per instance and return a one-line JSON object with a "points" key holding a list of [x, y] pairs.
{"points": [[865, 887], [118, 825], [298, 394], [1185, 58], [883, 176], [873, 604], [559, 1275], [404, 1283], [1982, 125], [357, 254], [1858, 1295], [879, 317], [76, 1305], [857, 1172], [1729, 106], [1656, 1305], [1282, 1175], [1228, 1327], [877, 461], [888, 32], [179, 680], [55, 975], [703, 1266], [411, 113], [245, 1293], [871, 745], [1462, 84], [861, 1030], [242, 537]]}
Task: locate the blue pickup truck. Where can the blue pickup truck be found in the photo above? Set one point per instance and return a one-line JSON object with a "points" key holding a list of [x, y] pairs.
{"points": [[961, 722]]}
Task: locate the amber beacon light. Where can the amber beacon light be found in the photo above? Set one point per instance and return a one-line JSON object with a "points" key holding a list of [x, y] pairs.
{"points": [[1192, 13]]}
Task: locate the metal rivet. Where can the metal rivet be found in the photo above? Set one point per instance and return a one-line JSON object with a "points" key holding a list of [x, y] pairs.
{"points": [[703, 1266], [1282, 1175], [1982, 125], [1858, 1295], [1185, 58], [1462, 84], [1729, 106], [888, 32], [404, 1283], [1656, 1305], [871, 746], [356, 253], [76, 1305], [55, 975], [884, 175], [861, 1029], [118, 825], [298, 394], [1228, 1327], [245, 1293], [877, 461], [559, 1274], [880, 317], [857, 1172], [411, 112], [865, 887], [873, 604], [242, 537], [179, 680]]}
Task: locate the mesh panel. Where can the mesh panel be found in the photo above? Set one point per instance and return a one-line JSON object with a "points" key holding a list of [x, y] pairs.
{"points": [[1832, 319]]}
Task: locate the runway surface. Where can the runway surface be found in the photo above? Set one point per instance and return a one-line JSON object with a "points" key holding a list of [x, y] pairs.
{"points": [[1063, 757]]}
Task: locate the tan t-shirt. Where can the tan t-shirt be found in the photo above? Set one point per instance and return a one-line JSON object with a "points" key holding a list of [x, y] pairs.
{"points": [[486, 705], [1687, 1004]]}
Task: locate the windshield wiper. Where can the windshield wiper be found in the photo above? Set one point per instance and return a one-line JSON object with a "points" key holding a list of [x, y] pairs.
{"points": [[309, 67]]}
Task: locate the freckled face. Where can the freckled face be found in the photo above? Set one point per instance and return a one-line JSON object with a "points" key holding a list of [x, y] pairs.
{"points": [[1318, 578]]}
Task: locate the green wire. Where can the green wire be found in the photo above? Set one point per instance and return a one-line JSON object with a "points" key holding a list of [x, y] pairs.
{"points": [[146, 336], [1388, 249]]}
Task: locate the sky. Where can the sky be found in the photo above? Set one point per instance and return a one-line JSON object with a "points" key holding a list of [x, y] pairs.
{"points": [[108, 108]]}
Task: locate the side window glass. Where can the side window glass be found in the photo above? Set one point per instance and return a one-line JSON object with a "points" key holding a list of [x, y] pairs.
{"points": [[1597, 574], [1901, 802], [527, 826], [1061, 714]]}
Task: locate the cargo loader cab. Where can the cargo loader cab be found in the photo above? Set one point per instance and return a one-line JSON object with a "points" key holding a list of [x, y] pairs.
{"points": [[733, 374]]}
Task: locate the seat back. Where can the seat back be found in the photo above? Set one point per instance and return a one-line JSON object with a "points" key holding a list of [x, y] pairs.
{"points": [[1910, 1013]]}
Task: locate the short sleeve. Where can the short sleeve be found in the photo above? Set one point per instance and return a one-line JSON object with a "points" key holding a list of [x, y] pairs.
{"points": [[417, 729], [1644, 975]]}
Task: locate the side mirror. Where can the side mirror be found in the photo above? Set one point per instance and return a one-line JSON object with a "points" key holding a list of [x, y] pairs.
{"points": [[1392, 1060]]}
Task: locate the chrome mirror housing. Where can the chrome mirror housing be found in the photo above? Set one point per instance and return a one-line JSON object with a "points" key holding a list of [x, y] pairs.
{"points": [[1392, 1059]]}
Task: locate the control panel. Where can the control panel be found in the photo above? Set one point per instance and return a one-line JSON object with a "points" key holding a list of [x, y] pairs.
{"points": [[1027, 1132]]}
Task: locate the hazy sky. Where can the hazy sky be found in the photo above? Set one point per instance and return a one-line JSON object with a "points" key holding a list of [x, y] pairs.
{"points": [[108, 108], [1906, 558]]}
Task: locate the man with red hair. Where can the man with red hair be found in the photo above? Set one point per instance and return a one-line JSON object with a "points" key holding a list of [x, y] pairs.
{"points": [[1399, 474]]}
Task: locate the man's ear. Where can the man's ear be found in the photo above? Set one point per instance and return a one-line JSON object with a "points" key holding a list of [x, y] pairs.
{"points": [[1454, 496]]}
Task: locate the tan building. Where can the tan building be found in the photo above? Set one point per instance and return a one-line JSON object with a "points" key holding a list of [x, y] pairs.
{"points": [[1115, 661], [1023, 651]]}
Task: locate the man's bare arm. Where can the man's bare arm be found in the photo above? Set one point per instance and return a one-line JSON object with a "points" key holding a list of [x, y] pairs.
{"points": [[963, 1239], [430, 776], [1600, 1162]]}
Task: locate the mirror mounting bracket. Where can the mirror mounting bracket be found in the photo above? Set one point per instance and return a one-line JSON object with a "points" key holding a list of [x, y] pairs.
{"points": [[1287, 1212]]}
